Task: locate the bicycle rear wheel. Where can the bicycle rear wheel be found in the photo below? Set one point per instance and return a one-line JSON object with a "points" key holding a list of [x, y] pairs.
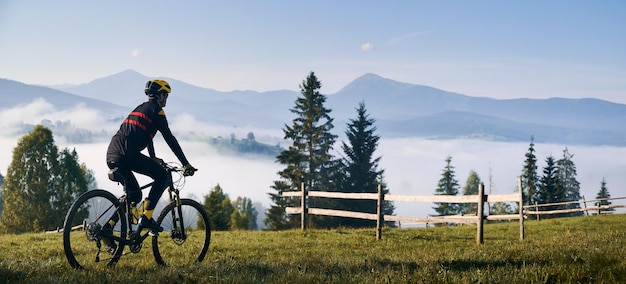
{"points": [[82, 232], [186, 234]]}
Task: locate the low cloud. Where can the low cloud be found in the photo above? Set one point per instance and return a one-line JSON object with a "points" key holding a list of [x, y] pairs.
{"points": [[12, 121], [412, 166]]}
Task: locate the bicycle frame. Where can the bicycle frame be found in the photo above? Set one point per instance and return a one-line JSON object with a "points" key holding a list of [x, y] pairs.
{"points": [[136, 238]]}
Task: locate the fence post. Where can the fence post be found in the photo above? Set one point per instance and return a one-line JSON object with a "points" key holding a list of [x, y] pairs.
{"points": [[380, 214], [480, 214], [537, 210], [585, 205], [304, 215], [521, 208]]}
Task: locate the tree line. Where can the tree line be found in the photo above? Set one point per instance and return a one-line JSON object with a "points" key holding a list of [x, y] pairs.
{"points": [[557, 184]]}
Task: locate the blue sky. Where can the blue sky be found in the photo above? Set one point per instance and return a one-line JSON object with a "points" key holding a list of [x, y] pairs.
{"points": [[499, 49]]}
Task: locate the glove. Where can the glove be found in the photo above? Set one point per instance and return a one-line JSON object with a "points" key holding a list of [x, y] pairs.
{"points": [[189, 170], [158, 160]]}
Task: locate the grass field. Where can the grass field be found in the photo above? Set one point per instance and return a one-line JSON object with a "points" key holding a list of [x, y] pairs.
{"points": [[567, 250]]}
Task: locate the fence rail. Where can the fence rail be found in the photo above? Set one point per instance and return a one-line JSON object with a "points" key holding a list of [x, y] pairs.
{"points": [[380, 218], [477, 219], [585, 208], [59, 230]]}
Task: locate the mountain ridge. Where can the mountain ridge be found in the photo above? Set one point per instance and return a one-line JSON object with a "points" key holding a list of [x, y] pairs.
{"points": [[401, 109]]}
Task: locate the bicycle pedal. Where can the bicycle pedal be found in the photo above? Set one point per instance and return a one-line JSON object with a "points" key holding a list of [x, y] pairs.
{"points": [[153, 234]]}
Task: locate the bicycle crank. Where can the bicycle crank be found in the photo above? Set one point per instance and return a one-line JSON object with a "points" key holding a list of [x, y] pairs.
{"points": [[135, 242]]}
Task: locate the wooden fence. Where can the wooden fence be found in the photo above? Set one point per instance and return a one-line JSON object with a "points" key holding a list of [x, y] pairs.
{"points": [[528, 209], [380, 218]]}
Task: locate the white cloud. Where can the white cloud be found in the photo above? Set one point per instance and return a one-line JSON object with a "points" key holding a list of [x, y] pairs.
{"points": [[367, 47], [136, 52], [12, 120]]}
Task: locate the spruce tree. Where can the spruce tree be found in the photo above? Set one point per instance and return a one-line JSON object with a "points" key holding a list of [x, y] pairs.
{"points": [[567, 180], [529, 176], [362, 174], [307, 160], [550, 189], [471, 188], [603, 194], [448, 185]]}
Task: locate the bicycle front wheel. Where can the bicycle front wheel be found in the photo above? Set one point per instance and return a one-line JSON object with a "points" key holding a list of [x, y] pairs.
{"points": [[186, 234], [83, 237]]}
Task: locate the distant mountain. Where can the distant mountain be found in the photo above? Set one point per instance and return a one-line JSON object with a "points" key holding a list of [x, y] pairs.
{"points": [[414, 110], [235, 108], [401, 109], [14, 94], [388, 99]]}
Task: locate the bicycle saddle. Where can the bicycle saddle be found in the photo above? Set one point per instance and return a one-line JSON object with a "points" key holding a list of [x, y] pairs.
{"points": [[115, 174]]}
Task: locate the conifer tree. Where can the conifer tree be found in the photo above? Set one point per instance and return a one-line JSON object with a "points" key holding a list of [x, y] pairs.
{"points": [[530, 179], [551, 189], [567, 179], [448, 185], [307, 160], [362, 174], [219, 209], [602, 194], [471, 188]]}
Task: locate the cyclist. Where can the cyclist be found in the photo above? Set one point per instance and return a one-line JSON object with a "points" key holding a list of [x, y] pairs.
{"points": [[124, 153]]}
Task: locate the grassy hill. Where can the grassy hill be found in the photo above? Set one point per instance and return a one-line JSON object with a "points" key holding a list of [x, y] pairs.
{"points": [[568, 250]]}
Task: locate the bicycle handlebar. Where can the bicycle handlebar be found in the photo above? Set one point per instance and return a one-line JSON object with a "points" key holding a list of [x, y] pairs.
{"points": [[172, 167]]}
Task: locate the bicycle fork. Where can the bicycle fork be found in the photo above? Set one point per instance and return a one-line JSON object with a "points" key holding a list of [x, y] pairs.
{"points": [[178, 224]]}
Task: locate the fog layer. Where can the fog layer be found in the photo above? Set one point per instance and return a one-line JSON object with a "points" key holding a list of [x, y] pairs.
{"points": [[412, 166]]}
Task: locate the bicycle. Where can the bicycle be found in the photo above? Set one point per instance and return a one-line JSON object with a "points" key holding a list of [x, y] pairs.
{"points": [[186, 228]]}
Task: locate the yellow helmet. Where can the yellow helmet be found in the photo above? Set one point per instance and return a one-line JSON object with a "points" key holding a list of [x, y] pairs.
{"points": [[154, 87]]}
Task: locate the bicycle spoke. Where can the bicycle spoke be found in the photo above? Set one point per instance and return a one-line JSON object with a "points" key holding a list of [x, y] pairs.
{"points": [[184, 243], [83, 238]]}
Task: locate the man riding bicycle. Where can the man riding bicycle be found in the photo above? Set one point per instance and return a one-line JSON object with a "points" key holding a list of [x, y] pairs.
{"points": [[124, 152]]}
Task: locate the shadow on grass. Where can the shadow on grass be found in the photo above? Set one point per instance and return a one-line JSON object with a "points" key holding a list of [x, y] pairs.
{"points": [[8, 276], [454, 265], [468, 265]]}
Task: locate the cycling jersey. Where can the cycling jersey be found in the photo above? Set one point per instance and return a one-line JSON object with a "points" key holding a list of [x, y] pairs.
{"points": [[137, 131]]}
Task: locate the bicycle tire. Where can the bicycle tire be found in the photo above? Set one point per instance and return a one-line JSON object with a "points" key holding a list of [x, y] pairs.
{"points": [[93, 208], [170, 247]]}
